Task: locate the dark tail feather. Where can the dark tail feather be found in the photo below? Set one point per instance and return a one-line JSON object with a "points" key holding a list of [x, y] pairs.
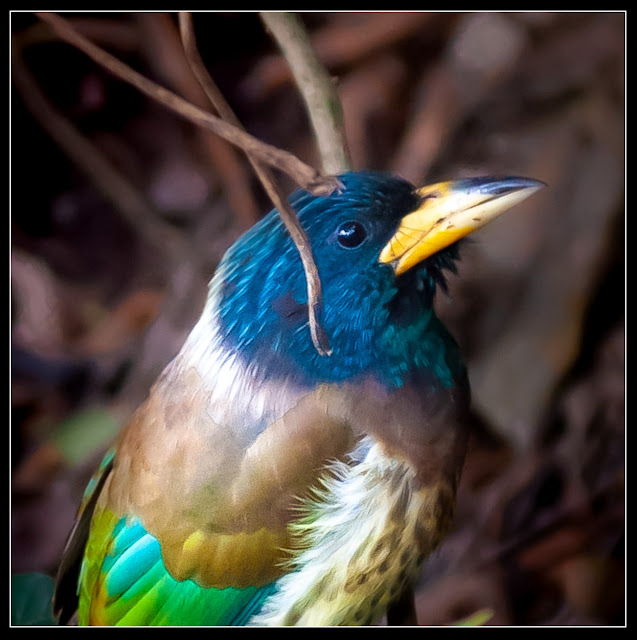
{"points": [[65, 597]]}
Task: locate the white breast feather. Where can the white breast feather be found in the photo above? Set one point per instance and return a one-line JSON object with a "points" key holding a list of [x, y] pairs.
{"points": [[359, 547]]}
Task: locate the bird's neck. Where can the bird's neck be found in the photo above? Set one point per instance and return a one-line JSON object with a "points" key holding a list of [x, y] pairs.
{"points": [[385, 344], [242, 395]]}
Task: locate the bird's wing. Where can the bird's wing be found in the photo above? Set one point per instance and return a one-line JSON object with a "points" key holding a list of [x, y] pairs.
{"points": [[125, 582], [188, 524]]}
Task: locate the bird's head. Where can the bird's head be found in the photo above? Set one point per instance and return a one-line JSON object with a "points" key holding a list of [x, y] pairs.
{"points": [[380, 246]]}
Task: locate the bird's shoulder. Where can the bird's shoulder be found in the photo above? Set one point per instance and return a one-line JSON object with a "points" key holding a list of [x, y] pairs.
{"points": [[215, 470]]}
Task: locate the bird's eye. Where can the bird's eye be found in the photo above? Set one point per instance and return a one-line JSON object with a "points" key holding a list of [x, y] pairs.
{"points": [[351, 234]]}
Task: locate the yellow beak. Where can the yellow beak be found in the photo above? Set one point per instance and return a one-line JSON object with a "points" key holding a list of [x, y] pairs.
{"points": [[449, 211]]}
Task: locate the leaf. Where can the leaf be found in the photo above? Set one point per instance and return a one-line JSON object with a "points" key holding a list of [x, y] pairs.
{"points": [[31, 597], [83, 433], [476, 619]]}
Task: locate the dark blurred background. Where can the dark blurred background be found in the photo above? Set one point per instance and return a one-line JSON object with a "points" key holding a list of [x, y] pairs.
{"points": [[107, 187]]}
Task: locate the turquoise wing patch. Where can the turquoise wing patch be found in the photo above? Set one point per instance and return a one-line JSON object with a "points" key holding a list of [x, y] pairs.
{"points": [[133, 587]]}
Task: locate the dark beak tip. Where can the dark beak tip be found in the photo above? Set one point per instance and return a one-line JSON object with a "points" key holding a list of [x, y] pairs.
{"points": [[502, 186], [531, 183], [525, 183]]}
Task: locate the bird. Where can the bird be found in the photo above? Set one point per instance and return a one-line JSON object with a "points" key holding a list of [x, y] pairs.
{"points": [[264, 483]]}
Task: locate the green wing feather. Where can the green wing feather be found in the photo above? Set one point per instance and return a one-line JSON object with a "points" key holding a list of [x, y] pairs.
{"points": [[125, 582]]}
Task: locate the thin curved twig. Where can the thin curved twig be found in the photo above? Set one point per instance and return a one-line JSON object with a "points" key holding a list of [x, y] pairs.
{"points": [[305, 176], [273, 190], [164, 51]]}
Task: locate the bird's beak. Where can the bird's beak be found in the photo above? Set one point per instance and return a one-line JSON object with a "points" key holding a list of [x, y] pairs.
{"points": [[449, 211]]}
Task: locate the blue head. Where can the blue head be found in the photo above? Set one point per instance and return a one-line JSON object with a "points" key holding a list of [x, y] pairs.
{"points": [[378, 314]]}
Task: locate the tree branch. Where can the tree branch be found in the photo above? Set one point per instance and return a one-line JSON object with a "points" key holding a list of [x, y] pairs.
{"points": [[164, 51], [304, 175], [316, 87]]}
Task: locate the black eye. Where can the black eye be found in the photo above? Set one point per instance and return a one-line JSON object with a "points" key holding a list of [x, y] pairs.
{"points": [[351, 234]]}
